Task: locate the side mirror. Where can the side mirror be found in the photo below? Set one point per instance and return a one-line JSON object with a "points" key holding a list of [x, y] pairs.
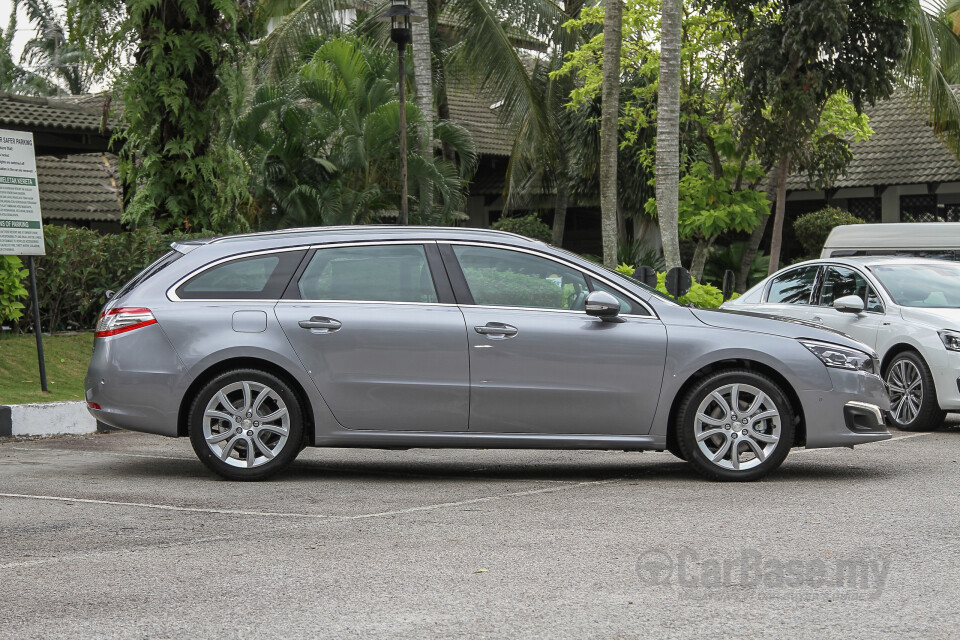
{"points": [[602, 305], [849, 304], [108, 294]]}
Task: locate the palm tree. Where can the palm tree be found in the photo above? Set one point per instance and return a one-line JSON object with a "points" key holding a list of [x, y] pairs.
{"points": [[321, 143], [668, 131], [609, 127], [13, 77], [63, 63]]}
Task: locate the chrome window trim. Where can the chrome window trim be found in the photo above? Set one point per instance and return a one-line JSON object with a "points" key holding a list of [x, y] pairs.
{"points": [[547, 256], [172, 290], [390, 302], [173, 297]]}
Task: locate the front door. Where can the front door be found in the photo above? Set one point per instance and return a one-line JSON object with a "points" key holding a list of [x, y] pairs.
{"points": [[539, 364], [843, 281], [382, 350]]}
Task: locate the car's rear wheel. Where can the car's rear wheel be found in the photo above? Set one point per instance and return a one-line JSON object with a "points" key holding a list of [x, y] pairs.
{"points": [[735, 425], [246, 424], [913, 396]]}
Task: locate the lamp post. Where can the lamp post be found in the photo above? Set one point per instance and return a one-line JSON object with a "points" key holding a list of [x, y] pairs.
{"points": [[401, 16]]}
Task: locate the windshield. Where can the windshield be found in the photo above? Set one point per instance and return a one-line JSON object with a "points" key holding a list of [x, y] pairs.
{"points": [[935, 286]]}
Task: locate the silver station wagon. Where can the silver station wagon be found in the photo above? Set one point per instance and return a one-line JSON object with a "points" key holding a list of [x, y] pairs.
{"points": [[255, 346]]}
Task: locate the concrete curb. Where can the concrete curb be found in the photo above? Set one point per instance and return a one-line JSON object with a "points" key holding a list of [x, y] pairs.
{"points": [[47, 419]]}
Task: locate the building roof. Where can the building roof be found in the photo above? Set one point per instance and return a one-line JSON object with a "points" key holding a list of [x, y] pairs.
{"points": [[902, 150], [68, 113], [79, 187], [477, 111]]}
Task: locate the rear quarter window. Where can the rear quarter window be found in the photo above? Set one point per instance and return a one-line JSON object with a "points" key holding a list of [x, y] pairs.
{"points": [[244, 278]]}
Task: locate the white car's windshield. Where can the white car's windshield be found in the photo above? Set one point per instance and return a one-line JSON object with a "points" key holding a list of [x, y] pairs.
{"points": [[921, 285]]}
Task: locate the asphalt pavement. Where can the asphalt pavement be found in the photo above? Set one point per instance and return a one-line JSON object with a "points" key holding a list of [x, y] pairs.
{"points": [[127, 535]]}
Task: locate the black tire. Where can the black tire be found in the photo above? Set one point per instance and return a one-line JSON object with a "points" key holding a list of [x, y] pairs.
{"points": [[902, 414], [250, 393], [761, 395]]}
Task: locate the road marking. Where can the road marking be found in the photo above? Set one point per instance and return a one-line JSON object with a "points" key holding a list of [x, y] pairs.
{"points": [[825, 449], [312, 516], [102, 453]]}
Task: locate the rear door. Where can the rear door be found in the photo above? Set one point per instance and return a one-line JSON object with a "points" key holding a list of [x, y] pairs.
{"points": [[376, 328]]}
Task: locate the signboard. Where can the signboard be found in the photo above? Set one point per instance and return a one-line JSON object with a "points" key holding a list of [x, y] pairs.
{"points": [[21, 229]]}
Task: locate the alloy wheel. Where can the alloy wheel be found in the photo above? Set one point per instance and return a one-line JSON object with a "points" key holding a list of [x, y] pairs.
{"points": [[737, 426], [246, 424], [905, 384]]}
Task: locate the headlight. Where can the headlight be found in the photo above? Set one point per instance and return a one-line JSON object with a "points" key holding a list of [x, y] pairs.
{"points": [[951, 339], [833, 355]]}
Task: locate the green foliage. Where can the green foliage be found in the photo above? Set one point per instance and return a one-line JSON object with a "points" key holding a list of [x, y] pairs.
{"points": [[636, 253], [530, 226], [322, 143], [731, 258], [797, 54], [711, 205], [705, 296], [80, 265], [813, 228], [180, 173], [12, 289], [507, 288]]}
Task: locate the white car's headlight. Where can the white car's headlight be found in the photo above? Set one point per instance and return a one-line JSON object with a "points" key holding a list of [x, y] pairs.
{"points": [[833, 355], [951, 339]]}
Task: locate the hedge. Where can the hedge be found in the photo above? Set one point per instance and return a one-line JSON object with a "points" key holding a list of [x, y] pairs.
{"points": [[813, 228], [81, 265]]}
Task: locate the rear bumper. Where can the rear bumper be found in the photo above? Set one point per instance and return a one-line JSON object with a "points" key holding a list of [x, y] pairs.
{"points": [[134, 379], [850, 414]]}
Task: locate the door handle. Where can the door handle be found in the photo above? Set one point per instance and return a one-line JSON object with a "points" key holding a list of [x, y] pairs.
{"points": [[320, 324], [496, 330], [817, 319]]}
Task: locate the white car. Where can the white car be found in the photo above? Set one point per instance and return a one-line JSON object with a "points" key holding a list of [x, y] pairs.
{"points": [[907, 308]]}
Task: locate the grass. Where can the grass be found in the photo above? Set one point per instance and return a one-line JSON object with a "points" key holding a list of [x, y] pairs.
{"points": [[66, 357]]}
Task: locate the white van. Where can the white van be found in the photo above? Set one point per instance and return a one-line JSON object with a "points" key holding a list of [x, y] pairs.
{"points": [[924, 239]]}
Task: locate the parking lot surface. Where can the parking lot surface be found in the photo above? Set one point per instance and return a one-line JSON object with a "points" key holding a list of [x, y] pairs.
{"points": [[127, 535]]}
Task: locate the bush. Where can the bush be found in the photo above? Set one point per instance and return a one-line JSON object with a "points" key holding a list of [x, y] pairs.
{"points": [[812, 229], [530, 226], [81, 265], [12, 289], [705, 296]]}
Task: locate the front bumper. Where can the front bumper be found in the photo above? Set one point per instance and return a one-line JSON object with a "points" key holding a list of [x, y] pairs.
{"points": [[850, 414], [946, 378]]}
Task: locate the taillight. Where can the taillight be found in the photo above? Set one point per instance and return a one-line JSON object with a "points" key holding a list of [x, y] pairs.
{"points": [[123, 319]]}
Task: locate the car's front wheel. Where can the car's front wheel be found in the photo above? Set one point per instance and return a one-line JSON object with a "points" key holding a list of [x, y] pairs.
{"points": [[246, 424], [735, 425], [913, 396]]}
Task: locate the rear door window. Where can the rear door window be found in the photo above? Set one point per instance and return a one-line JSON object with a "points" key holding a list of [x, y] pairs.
{"points": [[376, 273], [794, 286]]}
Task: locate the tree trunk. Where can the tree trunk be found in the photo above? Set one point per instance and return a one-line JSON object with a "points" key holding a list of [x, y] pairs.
{"points": [[700, 255], [443, 107], [560, 215], [668, 132], [777, 239], [423, 84], [610, 111], [750, 252]]}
